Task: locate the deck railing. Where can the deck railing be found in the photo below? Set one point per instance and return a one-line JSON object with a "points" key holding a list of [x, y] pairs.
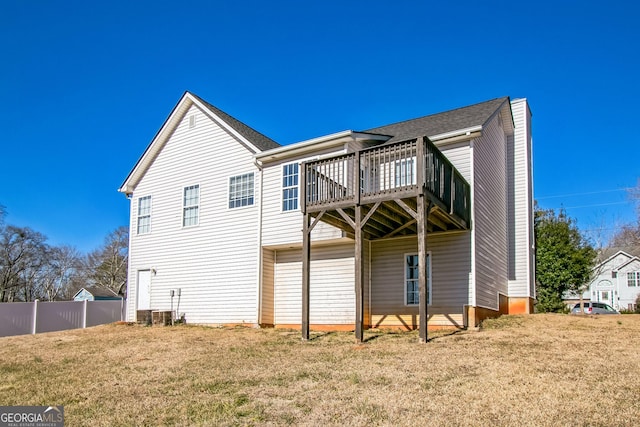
{"points": [[445, 182], [330, 181], [389, 169], [384, 172]]}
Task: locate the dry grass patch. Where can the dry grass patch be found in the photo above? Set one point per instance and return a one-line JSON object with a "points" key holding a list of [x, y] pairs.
{"points": [[517, 370]]}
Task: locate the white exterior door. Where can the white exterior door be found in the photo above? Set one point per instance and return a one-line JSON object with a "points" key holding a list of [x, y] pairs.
{"points": [[606, 296], [143, 300]]}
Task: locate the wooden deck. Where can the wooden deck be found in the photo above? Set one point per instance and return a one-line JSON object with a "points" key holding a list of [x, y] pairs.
{"points": [[390, 178], [390, 190]]}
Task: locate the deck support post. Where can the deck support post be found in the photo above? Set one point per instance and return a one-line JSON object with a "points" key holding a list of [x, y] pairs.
{"points": [[350, 189], [423, 212], [306, 253], [359, 276], [306, 275]]}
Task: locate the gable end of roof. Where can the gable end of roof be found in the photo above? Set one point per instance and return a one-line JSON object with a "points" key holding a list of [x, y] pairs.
{"points": [[250, 138]]}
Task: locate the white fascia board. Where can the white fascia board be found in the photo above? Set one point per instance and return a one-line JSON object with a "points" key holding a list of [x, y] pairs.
{"points": [[457, 135], [312, 145], [156, 144], [623, 265], [520, 101]]}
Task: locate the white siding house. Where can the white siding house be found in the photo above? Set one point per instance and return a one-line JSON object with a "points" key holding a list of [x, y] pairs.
{"points": [[217, 211], [203, 236], [617, 280], [520, 199]]}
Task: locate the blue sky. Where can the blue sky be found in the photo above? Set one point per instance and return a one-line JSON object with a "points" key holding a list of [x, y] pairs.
{"points": [[84, 87]]}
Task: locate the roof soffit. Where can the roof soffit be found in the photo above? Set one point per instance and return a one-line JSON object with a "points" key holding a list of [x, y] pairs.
{"points": [[311, 146]]}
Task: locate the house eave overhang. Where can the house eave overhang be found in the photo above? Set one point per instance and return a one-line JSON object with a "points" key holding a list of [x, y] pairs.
{"points": [[457, 135], [311, 146]]}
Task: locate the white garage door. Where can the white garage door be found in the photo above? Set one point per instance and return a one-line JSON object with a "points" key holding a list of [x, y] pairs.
{"points": [[332, 293]]}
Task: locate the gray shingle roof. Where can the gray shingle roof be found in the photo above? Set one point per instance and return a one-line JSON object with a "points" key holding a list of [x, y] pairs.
{"points": [[436, 124], [609, 252], [256, 138], [99, 292]]}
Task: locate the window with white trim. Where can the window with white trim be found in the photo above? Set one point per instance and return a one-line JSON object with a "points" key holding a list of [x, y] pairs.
{"points": [[290, 187], [241, 190], [633, 278], [405, 173], [190, 205], [411, 274], [144, 215]]}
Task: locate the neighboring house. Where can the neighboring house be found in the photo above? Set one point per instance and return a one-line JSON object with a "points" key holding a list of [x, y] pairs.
{"points": [[617, 280], [94, 293], [217, 211]]}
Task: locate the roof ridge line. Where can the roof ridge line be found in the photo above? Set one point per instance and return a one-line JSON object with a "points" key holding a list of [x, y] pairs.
{"points": [[441, 112]]}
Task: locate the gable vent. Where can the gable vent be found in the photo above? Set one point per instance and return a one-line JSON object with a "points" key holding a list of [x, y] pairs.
{"points": [[192, 121]]}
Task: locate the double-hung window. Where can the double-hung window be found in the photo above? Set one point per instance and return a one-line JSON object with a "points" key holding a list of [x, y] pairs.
{"points": [[290, 187], [241, 190], [633, 278], [411, 274], [144, 215], [191, 205], [405, 173]]}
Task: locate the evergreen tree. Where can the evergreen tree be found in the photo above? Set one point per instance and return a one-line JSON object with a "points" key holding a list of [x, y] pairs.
{"points": [[564, 258]]}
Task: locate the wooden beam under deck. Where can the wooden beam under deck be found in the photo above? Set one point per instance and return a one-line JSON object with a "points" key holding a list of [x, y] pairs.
{"points": [[375, 194]]}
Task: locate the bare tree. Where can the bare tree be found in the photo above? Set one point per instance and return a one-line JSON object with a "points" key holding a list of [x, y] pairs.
{"points": [[21, 252], [31, 269], [634, 194], [107, 265], [629, 234], [60, 272]]}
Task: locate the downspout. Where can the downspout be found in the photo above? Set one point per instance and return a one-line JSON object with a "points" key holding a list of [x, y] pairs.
{"points": [[369, 277], [472, 279], [617, 294], [259, 278], [128, 301]]}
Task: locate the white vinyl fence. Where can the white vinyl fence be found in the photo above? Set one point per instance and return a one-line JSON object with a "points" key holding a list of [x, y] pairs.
{"points": [[19, 318]]}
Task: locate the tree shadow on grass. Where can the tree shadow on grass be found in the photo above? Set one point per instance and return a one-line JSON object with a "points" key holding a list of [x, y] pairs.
{"points": [[314, 336], [437, 336], [445, 335]]}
